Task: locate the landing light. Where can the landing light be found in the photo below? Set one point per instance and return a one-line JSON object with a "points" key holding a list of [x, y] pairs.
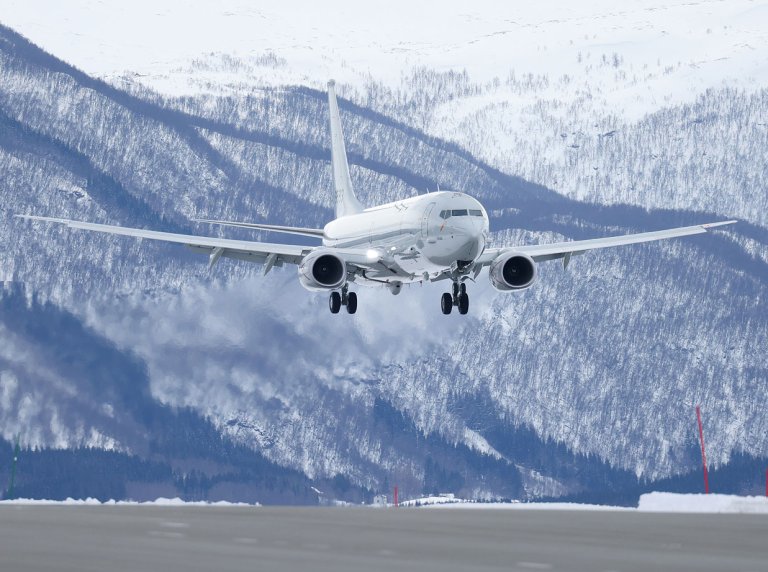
{"points": [[372, 254]]}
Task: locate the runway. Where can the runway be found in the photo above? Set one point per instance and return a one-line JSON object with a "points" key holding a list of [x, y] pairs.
{"points": [[123, 538]]}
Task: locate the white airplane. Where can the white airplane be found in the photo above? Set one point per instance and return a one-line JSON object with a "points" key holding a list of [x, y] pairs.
{"points": [[438, 236]]}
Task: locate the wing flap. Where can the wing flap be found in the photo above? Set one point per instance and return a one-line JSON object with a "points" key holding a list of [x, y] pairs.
{"points": [[313, 232]]}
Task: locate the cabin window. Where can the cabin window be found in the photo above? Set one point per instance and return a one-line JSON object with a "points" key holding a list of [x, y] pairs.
{"points": [[445, 214], [475, 212], [459, 212]]}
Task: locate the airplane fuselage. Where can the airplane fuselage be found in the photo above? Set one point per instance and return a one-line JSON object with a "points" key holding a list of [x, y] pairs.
{"points": [[416, 238]]}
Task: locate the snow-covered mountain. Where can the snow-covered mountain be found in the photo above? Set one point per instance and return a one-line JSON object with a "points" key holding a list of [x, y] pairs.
{"points": [[537, 394]]}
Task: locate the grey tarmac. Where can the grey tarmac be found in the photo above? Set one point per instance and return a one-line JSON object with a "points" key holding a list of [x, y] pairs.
{"points": [[184, 538]]}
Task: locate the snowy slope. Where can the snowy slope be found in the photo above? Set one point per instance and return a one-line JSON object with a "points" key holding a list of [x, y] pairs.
{"points": [[531, 89], [608, 359], [712, 40]]}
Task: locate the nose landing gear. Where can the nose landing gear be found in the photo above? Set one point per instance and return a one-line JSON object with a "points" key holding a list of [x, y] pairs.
{"points": [[345, 298], [459, 298]]}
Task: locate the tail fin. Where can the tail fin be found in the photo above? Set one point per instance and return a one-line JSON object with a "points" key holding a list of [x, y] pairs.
{"points": [[346, 201]]}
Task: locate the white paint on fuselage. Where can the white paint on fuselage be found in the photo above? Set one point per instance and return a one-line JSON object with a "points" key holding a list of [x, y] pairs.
{"points": [[411, 238]]}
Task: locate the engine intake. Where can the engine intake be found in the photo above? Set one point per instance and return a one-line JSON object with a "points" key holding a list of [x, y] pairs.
{"points": [[322, 270], [512, 271]]}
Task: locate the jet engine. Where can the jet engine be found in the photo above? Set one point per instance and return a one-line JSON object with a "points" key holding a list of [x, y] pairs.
{"points": [[322, 270], [512, 271]]}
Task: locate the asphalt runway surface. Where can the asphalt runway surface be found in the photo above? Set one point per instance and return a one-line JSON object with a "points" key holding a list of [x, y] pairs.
{"points": [[169, 539]]}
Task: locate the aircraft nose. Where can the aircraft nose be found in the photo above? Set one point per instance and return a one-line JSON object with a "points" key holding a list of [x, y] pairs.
{"points": [[473, 238]]}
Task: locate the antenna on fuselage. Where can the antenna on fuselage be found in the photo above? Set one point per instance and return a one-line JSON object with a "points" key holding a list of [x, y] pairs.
{"points": [[346, 201]]}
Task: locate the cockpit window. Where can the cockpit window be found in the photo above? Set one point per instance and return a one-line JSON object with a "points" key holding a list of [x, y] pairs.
{"points": [[446, 214]]}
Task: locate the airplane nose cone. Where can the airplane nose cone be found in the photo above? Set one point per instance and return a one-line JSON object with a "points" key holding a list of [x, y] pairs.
{"points": [[476, 245], [472, 242]]}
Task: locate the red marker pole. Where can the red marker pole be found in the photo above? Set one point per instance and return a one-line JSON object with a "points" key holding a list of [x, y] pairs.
{"points": [[703, 453], [766, 482], [396, 495]]}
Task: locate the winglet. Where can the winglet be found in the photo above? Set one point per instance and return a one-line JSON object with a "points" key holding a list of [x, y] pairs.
{"points": [[346, 201]]}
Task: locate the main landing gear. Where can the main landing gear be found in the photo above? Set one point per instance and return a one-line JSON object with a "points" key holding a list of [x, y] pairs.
{"points": [[459, 298], [345, 298]]}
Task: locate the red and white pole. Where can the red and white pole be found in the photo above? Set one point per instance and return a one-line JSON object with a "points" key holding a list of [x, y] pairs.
{"points": [[703, 452], [396, 495]]}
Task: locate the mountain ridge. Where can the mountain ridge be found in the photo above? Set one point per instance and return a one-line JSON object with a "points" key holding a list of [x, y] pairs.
{"points": [[225, 347]]}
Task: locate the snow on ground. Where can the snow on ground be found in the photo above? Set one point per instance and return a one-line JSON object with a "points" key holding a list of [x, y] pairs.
{"points": [[672, 502], [529, 506], [449, 501], [651, 502], [694, 44], [95, 502]]}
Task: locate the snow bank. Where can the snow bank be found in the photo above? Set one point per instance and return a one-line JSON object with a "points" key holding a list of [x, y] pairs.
{"points": [[650, 502], [531, 506], [450, 502], [674, 502], [432, 501], [162, 501]]}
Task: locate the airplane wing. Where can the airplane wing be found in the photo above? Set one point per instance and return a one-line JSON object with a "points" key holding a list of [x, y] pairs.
{"points": [[542, 252], [270, 254], [313, 232]]}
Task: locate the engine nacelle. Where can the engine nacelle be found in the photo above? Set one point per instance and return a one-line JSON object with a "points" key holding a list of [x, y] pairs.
{"points": [[321, 270], [512, 271]]}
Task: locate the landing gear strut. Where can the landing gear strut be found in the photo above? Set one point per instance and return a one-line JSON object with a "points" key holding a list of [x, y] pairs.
{"points": [[345, 298], [459, 298]]}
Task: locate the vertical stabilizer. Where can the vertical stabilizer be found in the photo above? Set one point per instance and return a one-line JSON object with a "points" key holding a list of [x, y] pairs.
{"points": [[346, 201]]}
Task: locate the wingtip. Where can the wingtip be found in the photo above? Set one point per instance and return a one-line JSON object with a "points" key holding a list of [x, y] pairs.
{"points": [[42, 218], [716, 224]]}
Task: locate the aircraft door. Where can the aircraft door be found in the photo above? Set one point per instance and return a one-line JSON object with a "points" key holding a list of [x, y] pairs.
{"points": [[425, 220]]}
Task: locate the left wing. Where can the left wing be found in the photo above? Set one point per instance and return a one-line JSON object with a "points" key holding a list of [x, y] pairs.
{"points": [[541, 252]]}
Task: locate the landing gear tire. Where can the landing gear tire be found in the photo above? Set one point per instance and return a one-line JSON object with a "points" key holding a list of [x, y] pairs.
{"points": [[463, 302], [446, 303], [462, 289], [351, 302], [334, 302]]}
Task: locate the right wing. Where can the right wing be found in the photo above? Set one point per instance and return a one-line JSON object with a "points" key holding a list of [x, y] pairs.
{"points": [[270, 254]]}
